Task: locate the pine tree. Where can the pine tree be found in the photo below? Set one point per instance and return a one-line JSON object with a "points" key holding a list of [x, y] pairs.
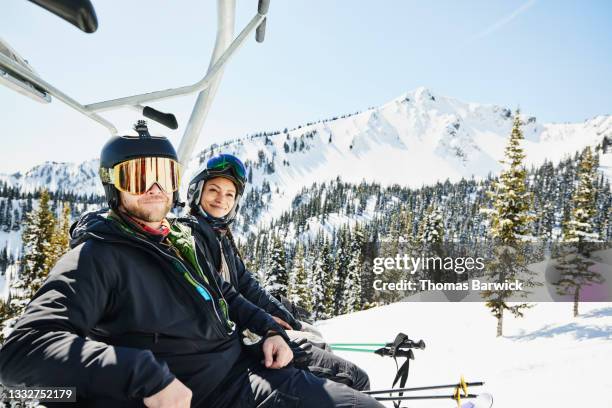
{"points": [[299, 292], [322, 281], [277, 279], [328, 279], [430, 236], [352, 286], [318, 290], [576, 260], [60, 240], [37, 247], [509, 219], [37, 241], [340, 270]]}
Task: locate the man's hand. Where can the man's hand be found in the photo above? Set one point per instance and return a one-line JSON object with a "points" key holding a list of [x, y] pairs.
{"points": [[282, 323], [175, 395], [277, 353]]}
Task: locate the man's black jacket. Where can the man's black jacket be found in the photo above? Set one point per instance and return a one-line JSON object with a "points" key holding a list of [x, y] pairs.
{"points": [[242, 279], [118, 319]]}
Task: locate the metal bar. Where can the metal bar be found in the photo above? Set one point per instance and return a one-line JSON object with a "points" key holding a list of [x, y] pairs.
{"points": [[424, 397], [358, 344], [198, 86], [226, 18], [362, 350], [11, 66], [431, 387], [24, 88]]}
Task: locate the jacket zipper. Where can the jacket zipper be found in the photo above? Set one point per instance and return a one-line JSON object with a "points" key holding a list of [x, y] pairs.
{"points": [[230, 325], [200, 288]]}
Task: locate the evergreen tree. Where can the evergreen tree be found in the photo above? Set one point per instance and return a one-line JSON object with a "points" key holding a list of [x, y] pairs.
{"points": [[277, 278], [370, 252], [322, 281], [37, 247], [576, 258], [60, 240], [318, 291], [340, 269], [352, 286], [299, 292], [37, 241], [328, 279], [508, 223], [430, 236]]}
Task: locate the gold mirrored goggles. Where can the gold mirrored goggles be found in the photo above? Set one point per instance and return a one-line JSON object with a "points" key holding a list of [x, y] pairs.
{"points": [[137, 176]]}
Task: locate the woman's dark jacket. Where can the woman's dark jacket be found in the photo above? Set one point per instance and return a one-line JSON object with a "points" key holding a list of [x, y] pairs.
{"points": [[242, 279]]}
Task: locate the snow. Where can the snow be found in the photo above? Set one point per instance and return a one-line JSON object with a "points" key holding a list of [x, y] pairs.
{"points": [[79, 178], [548, 358]]}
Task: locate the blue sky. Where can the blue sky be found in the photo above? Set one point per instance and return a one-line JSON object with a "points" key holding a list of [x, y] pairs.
{"points": [[320, 59]]}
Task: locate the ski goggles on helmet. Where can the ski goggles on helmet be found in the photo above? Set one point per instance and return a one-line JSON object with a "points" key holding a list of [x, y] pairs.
{"points": [[137, 176], [227, 162]]}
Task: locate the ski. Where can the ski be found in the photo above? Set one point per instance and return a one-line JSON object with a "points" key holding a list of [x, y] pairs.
{"points": [[420, 397]]}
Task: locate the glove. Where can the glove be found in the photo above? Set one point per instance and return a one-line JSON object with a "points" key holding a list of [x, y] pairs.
{"points": [[302, 353]]}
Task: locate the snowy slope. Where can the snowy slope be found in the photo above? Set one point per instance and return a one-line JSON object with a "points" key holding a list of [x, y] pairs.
{"points": [[546, 359]]}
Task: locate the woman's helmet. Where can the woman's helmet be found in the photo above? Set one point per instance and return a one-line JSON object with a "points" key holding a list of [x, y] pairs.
{"points": [[223, 165]]}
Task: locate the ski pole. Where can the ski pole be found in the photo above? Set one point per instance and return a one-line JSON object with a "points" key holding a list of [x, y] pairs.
{"points": [[430, 387], [358, 344], [423, 397], [363, 350]]}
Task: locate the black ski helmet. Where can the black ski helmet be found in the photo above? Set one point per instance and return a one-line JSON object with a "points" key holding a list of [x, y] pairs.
{"points": [[222, 165], [123, 148]]}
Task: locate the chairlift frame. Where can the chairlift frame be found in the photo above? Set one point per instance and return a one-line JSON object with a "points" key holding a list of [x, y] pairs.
{"points": [[17, 74]]}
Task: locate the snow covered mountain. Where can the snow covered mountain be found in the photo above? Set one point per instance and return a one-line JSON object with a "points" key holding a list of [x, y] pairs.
{"points": [[418, 138], [81, 179]]}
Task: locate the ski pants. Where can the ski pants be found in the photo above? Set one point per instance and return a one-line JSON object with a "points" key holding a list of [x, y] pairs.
{"points": [[325, 364], [251, 385]]}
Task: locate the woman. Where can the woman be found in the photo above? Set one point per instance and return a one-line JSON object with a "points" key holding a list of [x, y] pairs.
{"points": [[213, 196]]}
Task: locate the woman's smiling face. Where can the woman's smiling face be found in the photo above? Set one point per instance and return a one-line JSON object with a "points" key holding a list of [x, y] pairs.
{"points": [[218, 196]]}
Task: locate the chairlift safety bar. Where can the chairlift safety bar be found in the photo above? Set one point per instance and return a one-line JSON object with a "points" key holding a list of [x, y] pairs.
{"points": [[221, 55]]}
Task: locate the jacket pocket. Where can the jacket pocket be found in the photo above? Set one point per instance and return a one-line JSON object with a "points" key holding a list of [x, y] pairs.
{"points": [[280, 400]]}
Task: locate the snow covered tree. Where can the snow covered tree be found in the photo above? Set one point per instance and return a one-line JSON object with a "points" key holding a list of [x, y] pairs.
{"points": [[37, 242], [351, 298], [299, 292], [341, 270], [575, 259], [322, 281], [37, 239], [580, 225], [430, 236], [277, 279], [509, 219], [318, 291], [60, 240]]}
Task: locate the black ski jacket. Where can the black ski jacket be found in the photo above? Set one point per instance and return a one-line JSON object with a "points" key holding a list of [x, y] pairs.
{"points": [[242, 279], [118, 319]]}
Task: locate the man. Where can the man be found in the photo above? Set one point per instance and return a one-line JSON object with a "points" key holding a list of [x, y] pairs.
{"points": [[130, 318], [213, 197]]}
